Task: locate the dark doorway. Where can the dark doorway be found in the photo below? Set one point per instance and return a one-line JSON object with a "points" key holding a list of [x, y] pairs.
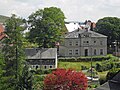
{"points": [[86, 52]]}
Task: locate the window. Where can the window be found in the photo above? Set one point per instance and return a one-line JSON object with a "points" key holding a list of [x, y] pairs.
{"points": [[45, 67], [101, 51], [85, 42], [70, 52], [76, 51], [86, 52], [50, 66], [94, 41], [70, 43], [94, 51], [86, 35], [101, 43], [76, 43]]}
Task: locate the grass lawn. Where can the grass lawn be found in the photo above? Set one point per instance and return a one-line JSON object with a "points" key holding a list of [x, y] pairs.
{"points": [[76, 65], [103, 74]]}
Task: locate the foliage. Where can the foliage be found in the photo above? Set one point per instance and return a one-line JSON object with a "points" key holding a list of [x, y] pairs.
{"points": [[38, 82], [26, 79], [13, 53], [83, 67], [1, 69], [111, 73], [85, 59], [102, 80], [98, 67], [65, 80], [109, 26], [42, 71], [46, 26], [76, 65], [106, 65]]}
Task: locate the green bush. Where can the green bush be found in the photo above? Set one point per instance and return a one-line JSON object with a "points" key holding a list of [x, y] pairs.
{"points": [[83, 68], [42, 71], [78, 59], [38, 82], [112, 73], [102, 79], [98, 67]]}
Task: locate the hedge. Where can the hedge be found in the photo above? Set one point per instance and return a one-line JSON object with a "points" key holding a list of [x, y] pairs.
{"points": [[79, 59]]}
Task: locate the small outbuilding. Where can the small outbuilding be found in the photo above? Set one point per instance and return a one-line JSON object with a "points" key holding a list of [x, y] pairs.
{"points": [[43, 58]]}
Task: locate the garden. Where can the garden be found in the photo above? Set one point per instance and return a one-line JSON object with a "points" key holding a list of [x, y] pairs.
{"points": [[103, 69]]}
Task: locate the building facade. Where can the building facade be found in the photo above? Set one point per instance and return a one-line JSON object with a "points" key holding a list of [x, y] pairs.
{"points": [[43, 58], [83, 42]]}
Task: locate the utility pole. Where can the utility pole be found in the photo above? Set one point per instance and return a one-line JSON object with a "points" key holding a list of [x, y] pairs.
{"points": [[91, 28], [91, 60]]}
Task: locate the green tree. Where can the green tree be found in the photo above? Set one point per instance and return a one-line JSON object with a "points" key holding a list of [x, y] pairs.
{"points": [[46, 26], [13, 53], [25, 82], [1, 69], [109, 26]]}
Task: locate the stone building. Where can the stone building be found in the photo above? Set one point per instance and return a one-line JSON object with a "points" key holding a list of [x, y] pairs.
{"points": [[43, 58], [83, 42]]}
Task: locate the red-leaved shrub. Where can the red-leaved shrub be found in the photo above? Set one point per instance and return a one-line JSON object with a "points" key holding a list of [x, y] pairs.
{"points": [[62, 79]]}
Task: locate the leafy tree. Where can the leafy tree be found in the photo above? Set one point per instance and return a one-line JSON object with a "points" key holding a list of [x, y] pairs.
{"points": [[13, 53], [1, 69], [26, 79], [62, 79], [109, 26], [46, 26]]}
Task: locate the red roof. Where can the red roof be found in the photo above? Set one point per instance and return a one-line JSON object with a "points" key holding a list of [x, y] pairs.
{"points": [[2, 35], [1, 28]]}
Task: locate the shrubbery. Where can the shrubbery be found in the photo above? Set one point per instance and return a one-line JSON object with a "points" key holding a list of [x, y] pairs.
{"points": [[94, 58], [62, 79], [111, 73], [107, 65], [42, 71], [102, 80]]}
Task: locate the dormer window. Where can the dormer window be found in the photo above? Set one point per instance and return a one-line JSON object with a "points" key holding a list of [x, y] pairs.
{"points": [[86, 35]]}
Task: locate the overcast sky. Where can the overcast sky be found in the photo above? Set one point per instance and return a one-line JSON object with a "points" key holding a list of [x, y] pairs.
{"points": [[74, 10]]}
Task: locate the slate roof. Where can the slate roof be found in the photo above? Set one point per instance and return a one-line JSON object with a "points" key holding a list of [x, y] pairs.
{"points": [[41, 53], [113, 84], [75, 34]]}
